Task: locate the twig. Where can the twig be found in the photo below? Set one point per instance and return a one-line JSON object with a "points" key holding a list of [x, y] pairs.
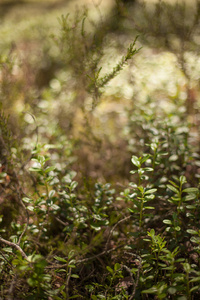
{"points": [[27, 216], [111, 232], [61, 222], [86, 259], [133, 281], [138, 274], [16, 246], [67, 283], [100, 254], [6, 260], [11, 289]]}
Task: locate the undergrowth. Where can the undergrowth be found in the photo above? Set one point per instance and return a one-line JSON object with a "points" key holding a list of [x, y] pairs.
{"points": [[65, 231]]}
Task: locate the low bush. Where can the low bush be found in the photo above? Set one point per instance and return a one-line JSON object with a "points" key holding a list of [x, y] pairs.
{"points": [[87, 214]]}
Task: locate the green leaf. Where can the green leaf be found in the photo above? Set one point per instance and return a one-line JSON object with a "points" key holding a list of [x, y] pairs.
{"points": [[74, 276], [95, 226], [73, 185], [135, 161], [32, 282], [173, 189], [31, 208], [147, 169], [55, 207], [149, 197], [190, 206], [133, 172], [195, 240], [117, 267], [151, 191], [153, 146], [195, 288], [109, 269], [173, 183], [168, 222], [176, 199], [152, 290], [196, 279], [187, 267], [190, 197], [49, 169], [172, 290], [177, 228], [71, 254], [131, 210], [149, 207], [51, 193], [144, 158], [182, 179], [191, 190], [191, 231], [32, 169], [27, 200], [60, 259]]}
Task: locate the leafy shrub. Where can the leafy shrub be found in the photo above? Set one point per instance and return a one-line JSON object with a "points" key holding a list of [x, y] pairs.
{"points": [[68, 235]]}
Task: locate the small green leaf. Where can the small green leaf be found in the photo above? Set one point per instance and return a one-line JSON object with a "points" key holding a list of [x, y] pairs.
{"points": [[147, 169], [55, 207], [168, 222], [71, 254], [61, 270], [74, 276], [177, 228], [145, 158], [187, 267], [191, 190], [135, 161], [32, 282], [195, 240], [152, 290], [196, 279], [182, 179], [51, 193], [149, 197], [109, 269], [117, 267], [191, 231], [131, 210], [176, 199], [172, 290], [49, 169], [31, 208], [151, 191], [173, 189], [190, 197], [32, 169], [190, 206], [60, 259], [195, 288], [173, 183], [149, 207], [73, 185], [27, 200], [133, 172]]}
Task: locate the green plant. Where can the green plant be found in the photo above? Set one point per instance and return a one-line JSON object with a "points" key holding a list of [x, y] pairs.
{"points": [[141, 195]]}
